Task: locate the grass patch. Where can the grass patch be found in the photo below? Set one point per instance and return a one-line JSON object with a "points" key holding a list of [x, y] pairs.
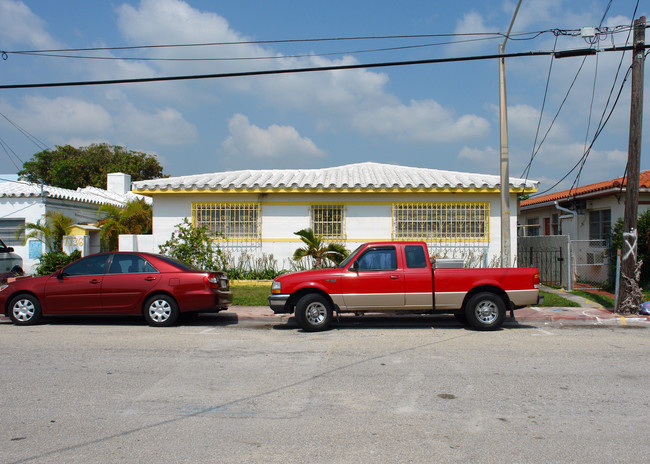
{"points": [[551, 299], [603, 300], [250, 293]]}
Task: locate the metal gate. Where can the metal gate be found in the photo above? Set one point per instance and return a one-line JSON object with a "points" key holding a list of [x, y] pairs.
{"points": [[549, 254], [549, 261]]}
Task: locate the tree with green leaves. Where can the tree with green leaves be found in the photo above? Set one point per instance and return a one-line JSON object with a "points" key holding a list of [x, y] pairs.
{"points": [[134, 218], [194, 245], [49, 230], [316, 248], [70, 167]]}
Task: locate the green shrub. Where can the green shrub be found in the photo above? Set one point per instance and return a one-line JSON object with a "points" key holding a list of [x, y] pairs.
{"points": [[55, 260]]}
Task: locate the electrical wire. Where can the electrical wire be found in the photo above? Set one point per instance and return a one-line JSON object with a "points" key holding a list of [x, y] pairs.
{"points": [[41, 145], [284, 41], [298, 70], [48, 53], [541, 113], [596, 135], [8, 151]]}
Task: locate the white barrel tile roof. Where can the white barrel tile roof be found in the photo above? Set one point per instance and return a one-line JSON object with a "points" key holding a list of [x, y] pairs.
{"points": [[367, 175], [84, 195]]}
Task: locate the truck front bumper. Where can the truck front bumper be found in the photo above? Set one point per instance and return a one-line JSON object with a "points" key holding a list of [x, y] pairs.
{"points": [[278, 303]]}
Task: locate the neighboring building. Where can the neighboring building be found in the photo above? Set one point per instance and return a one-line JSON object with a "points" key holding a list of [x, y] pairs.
{"points": [[587, 215], [24, 202], [596, 208], [258, 211]]}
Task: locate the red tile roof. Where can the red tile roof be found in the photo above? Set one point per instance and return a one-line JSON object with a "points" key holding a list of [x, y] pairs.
{"points": [[588, 190]]}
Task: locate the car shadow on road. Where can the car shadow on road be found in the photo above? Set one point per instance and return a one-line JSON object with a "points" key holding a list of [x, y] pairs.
{"points": [[410, 321], [203, 319]]}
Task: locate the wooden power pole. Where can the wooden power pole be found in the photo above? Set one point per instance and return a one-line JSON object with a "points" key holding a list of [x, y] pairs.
{"points": [[629, 293]]}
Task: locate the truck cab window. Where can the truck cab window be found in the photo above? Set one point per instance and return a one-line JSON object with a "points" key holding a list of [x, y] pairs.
{"points": [[415, 256], [378, 259]]}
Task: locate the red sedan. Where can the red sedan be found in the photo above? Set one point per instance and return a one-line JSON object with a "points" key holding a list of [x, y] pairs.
{"points": [[124, 283]]}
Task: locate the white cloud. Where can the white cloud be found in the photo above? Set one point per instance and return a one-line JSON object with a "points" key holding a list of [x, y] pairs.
{"points": [[63, 116], [276, 142], [420, 121], [19, 26], [471, 23], [164, 126], [351, 99]]}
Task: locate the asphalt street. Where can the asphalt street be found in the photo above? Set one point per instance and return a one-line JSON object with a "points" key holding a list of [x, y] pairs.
{"points": [[228, 388]]}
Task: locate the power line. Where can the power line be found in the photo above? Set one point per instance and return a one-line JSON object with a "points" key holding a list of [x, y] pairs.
{"points": [[284, 41], [41, 145], [313, 69]]}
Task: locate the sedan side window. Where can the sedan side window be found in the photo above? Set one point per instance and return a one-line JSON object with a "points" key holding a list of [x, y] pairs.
{"points": [[378, 259], [91, 265], [130, 264]]}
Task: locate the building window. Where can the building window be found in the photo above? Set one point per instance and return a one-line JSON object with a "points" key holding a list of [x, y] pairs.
{"points": [[441, 221], [532, 227], [555, 224], [600, 225], [232, 221], [8, 229], [328, 221]]}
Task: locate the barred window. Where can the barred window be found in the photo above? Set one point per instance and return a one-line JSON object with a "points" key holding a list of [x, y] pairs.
{"points": [[444, 221], [328, 221], [8, 229], [234, 221]]}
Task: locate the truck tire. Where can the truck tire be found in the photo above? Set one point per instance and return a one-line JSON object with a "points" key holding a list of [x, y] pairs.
{"points": [[313, 313], [485, 311]]}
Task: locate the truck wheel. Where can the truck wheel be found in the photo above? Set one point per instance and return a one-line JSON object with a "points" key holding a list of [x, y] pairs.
{"points": [[485, 311], [313, 313]]}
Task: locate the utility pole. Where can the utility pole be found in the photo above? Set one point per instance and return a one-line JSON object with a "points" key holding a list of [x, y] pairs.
{"points": [[628, 258], [504, 161]]}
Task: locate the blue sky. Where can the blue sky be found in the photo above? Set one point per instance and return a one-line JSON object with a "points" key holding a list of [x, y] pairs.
{"points": [[442, 116]]}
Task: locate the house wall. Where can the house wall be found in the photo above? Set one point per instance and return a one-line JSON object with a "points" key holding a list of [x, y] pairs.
{"points": [[32, 209], [614, 203], [368, 217]]}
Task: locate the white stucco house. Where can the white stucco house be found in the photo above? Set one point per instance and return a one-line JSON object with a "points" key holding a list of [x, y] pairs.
{"points": [[258, 211], [586, 215], [24, 202], [592, 210]]}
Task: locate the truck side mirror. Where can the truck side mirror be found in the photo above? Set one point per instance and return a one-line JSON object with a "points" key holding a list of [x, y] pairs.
{"points": [[355, 266]]}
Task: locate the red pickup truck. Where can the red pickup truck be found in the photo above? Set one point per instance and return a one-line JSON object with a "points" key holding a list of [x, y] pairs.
{"points": [[398, 276]]}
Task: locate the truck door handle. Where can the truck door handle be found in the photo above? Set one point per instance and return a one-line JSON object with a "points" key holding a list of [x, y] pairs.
{"points": [[394, 276], [95, 281]]}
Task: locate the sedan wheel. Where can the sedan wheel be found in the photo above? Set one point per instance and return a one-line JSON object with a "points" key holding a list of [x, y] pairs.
{"points": [[25, 310], [161, 311]]}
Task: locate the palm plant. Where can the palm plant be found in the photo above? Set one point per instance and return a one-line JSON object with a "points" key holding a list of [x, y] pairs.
{"points": [[316, 248], [134, 218], [49, 230]]}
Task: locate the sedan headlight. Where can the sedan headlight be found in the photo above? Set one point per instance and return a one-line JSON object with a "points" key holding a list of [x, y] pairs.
{"points": [[3, 286], [276, 287]]}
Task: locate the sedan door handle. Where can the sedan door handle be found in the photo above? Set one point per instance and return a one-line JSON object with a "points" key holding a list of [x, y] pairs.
{"points": [[394, 276], [149, 278], [95, 281]]}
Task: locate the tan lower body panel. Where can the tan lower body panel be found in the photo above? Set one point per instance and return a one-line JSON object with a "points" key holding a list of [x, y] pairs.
{"points": [[450, 300], [523, 297]]}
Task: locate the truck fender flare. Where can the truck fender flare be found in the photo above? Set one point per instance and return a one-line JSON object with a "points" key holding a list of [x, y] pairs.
{"points": [[295, 296], [490, 289]]}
